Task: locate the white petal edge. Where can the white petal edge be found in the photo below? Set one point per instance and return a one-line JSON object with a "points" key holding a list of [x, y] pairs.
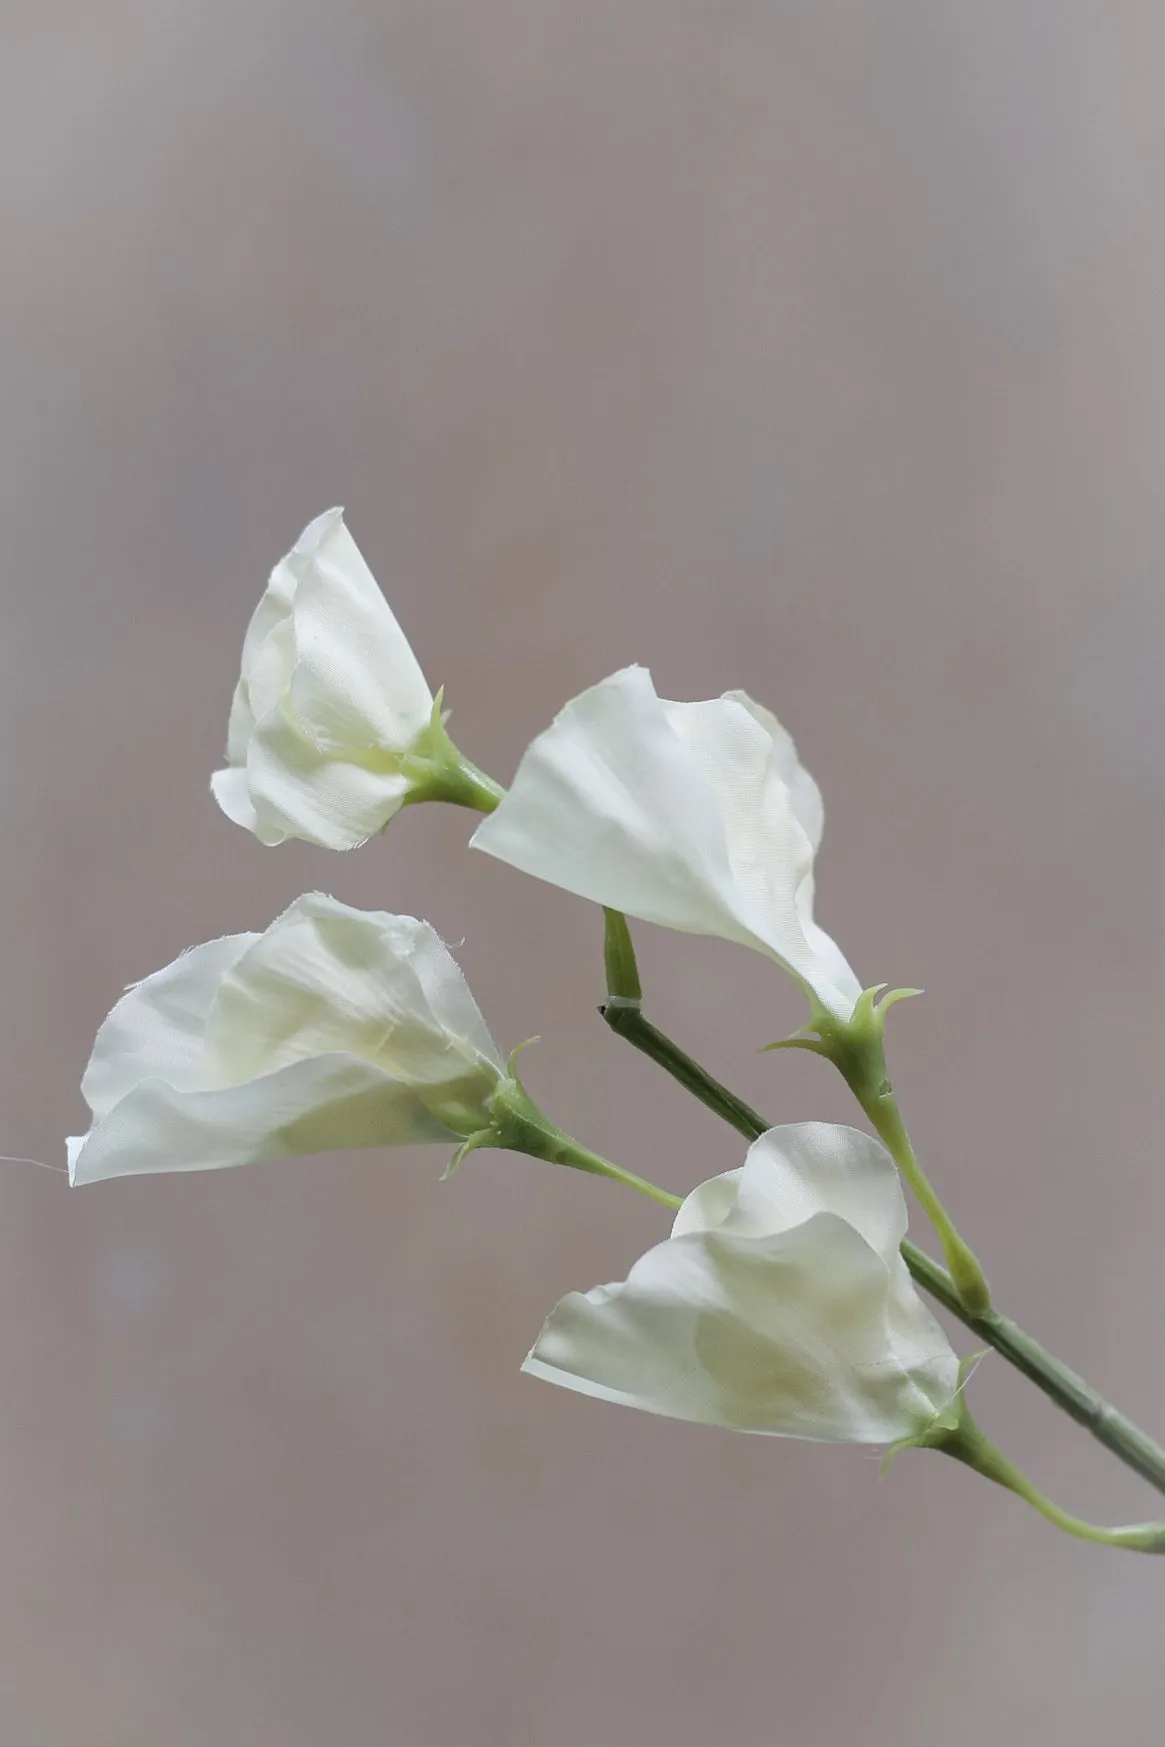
{"points": [[157, 1028], [795, 1170], [321, 1105], [783, 1336], [678, 814]]}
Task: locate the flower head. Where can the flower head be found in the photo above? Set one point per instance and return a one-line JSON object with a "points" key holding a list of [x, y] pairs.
{"points": [[779, 1304], [330, 703], [333, 1028], [694, 816]]}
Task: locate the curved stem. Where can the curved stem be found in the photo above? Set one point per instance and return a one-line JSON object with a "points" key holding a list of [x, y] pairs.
{"points": [[517, 1125], [969, 1280], [969, 1445], [462, 784], [565, 1150], [1061, 1384], [854, 1046]]}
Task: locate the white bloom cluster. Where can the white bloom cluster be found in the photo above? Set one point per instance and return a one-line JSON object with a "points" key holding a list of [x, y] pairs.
{"points": [[780, 1303]]}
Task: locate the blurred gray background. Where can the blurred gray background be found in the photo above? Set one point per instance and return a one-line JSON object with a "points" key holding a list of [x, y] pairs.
{"points": [[812, 347]]}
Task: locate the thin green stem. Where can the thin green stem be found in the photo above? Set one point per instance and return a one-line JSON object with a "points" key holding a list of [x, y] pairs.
{"points": [[517, 1125], [463, 785], [438, 770], [967, 1274], [1135, 1448], [855, 1048], [581, 1158], [623, 986], [1061, 1384], [966, 1443]]}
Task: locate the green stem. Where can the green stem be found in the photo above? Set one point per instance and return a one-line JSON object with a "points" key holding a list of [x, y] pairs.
{"points": [[438, 770], [855, 1048], [517, 1125], [580, 1158], [966, 1443], [464, 785], [966, 1273], [1078, 1399], [623, 985], [1061, 1384]]}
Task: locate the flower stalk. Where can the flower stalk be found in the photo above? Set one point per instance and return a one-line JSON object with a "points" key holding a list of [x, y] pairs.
{"points": [[955, 1433], [1132, 1446], [517, 1125], [855, 1047]]}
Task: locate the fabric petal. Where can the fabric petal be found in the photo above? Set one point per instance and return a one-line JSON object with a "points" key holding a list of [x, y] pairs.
{"points": [[269, 672], [833, 971], [329, 698], [357, 682], [770, 852], [326, 977], [796, 1170], [156, 1029], [804, 793], [455, 1014], [229, 788], [678, 814], [302, 792], [327, 1103], [604, 805], [784, 1335], [274, 607], [240, 724]]}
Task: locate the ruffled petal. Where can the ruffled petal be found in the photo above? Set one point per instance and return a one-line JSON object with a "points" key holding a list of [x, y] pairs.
{"points": [[329, 698], [804, 794], [785, 1335], [240, 724], [799, 1169], [269, 672], [357, 683], [679, 814], [606, 804], [771, 814], [229, 788], [156, 1029], [299, 791], [321, 1105], [326, 977], [273, 608]]}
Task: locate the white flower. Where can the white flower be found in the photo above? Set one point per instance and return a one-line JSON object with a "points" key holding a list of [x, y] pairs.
{"points": [[330, 702], [694, 816], [780, 1304], [334, 1028]]}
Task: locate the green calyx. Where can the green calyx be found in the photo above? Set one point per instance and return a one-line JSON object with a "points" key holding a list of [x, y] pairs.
{"points": [[517, 1125], [437, 770], [853, 1045]]}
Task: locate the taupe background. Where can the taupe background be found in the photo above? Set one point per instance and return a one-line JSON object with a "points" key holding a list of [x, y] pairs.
{"points": [[812, 347]]}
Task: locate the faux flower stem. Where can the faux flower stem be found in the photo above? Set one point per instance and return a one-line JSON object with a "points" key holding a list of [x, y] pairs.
{"points": [[961, 1438], [564, 1150], [623, 983], [1058, 1381], [855, 1048], [1061, 1384], [438, 770], [966, 1273], [517, 1125], [467, 786]]}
